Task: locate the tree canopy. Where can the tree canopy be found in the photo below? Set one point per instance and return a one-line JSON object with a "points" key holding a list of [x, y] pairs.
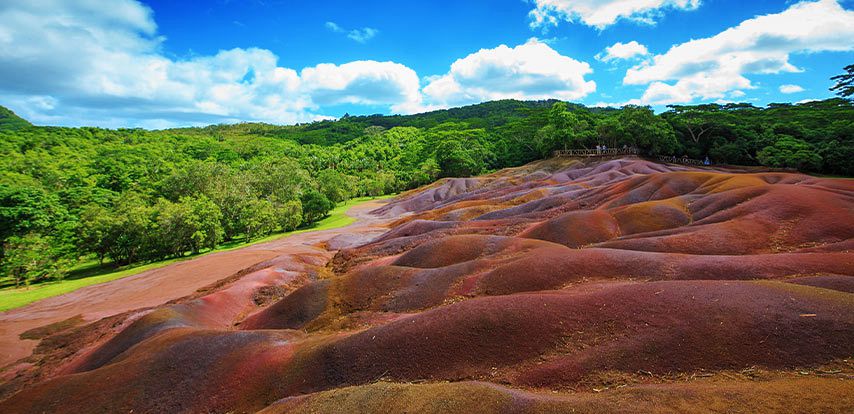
{"points": [[844, 86]]}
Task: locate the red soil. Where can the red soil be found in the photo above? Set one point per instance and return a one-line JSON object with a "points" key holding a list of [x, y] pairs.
{"points": [[779, 396], [129, 298], [665, 288]]}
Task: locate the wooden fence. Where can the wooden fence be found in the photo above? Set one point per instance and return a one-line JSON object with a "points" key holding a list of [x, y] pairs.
{"points": [[623, 151], [595, 152], [681, 160]]}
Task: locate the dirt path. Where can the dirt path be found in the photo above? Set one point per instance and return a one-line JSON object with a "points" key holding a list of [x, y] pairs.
{"points": [[158, 286]]}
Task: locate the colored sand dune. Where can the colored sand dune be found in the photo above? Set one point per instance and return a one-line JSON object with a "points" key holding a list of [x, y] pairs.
{"points": [[614, 286]]}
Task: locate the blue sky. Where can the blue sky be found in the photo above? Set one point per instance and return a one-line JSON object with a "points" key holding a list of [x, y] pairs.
{"points": [[157, 63]]}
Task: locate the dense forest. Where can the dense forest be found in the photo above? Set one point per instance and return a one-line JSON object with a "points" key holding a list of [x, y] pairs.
{"points": [[133, 195]]}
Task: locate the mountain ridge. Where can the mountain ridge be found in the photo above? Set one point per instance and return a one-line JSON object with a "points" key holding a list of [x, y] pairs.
{"points": [[9, 120]]}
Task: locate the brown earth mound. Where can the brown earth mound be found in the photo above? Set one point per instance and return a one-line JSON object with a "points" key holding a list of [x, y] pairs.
{"points": [[615, 286], [794, 396]]}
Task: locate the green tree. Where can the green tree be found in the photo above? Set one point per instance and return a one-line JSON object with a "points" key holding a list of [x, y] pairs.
{"points": [[28, 209], [334, 185], [639, 127], [456, 160], [120, 167], [844, 86], [836, 157], [547, 139], [696, 122], [289, 214], [729, 153], [279, 178], [428, 171], [191, 224], [315, 206], [133, 230], [789, 152], [96, 231], [174, 228], [194, 177], [459, 150], [206, 218], [609, 131], [233, 194], [384, 183], [565, 130], [260, 219], [32, 257]]}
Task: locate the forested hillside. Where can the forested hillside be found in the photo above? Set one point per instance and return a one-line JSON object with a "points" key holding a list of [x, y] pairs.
{"points": [[133, 195], [10, 121]]}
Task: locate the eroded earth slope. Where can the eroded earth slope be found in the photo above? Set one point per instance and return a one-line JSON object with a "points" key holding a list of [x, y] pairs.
{"points": [[611, 286]]}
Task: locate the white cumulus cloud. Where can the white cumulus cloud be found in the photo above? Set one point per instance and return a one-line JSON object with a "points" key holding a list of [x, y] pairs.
{"points": [[791, 88], [712, 67], [603, 13], [622, 51], [100, 62], [532, 70], [361, 82]]}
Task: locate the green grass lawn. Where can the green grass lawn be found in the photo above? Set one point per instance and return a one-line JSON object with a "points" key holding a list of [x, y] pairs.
{"points": [[91, 273]]}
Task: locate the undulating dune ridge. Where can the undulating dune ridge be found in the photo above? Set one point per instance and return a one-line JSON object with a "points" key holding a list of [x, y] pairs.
{"points": [[612, 286]]}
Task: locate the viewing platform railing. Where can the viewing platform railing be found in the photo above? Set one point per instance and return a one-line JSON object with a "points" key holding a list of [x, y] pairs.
{"points": [[595, 153], [624, 151], [681, 160]]}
